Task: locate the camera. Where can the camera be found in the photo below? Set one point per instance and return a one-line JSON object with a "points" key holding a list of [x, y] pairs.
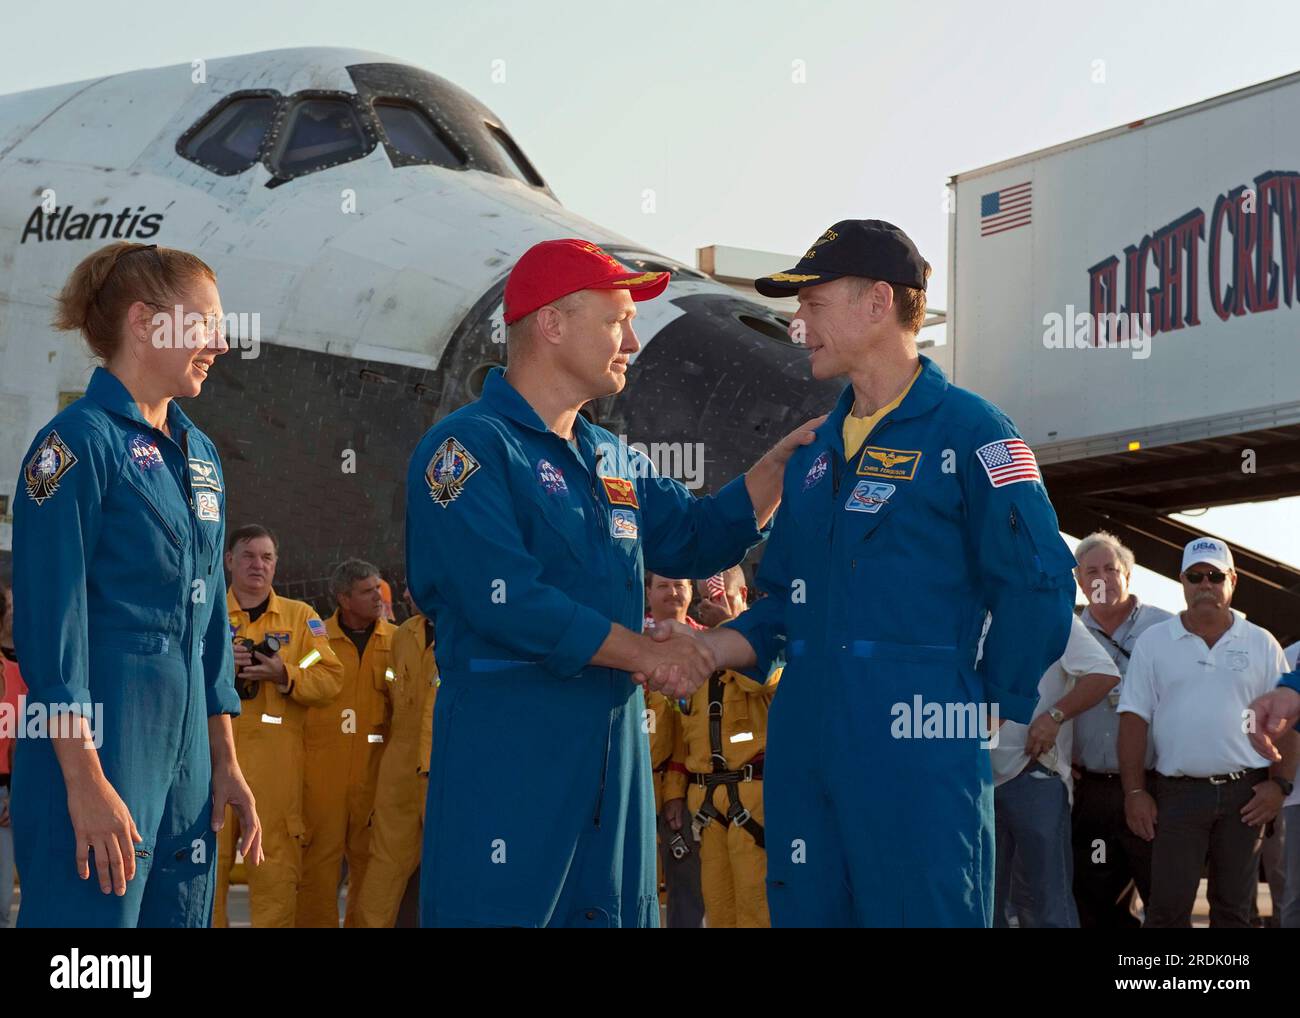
{"points": [[269, 647]]}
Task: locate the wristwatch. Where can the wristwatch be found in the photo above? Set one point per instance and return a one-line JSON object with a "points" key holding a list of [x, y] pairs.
{"points": [[1283, 784], [1057, 715]]}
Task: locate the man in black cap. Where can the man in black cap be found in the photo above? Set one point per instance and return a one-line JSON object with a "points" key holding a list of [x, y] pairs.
{"points": [[915, 513]]}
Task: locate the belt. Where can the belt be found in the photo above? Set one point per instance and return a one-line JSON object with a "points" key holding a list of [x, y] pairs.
{"points": [[907, 653], [752, 771], [1261, 773]]}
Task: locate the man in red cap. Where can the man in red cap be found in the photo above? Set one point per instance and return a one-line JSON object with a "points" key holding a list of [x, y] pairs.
{"points": [[527, 532]]}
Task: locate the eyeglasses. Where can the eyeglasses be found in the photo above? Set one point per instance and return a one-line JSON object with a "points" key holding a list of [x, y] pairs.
{"points": [[1195, 576]]}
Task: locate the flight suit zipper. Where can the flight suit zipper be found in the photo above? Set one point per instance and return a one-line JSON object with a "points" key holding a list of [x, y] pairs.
{"points": [[159, 516], [598, 515], [604, 773]]}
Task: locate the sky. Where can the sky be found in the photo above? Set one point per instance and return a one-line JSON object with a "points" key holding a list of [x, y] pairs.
{"points": [[754, 124]]}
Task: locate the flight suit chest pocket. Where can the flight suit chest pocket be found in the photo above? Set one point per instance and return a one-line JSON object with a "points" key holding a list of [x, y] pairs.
{"points": [[384, 676], [565, 529], [150, 524], [735, 706], [865, 503]]}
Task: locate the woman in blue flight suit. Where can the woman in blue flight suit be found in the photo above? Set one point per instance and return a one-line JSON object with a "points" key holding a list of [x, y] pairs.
{"points": [[120, 614]]}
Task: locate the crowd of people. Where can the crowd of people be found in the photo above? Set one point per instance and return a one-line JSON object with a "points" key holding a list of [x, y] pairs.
{"points": [[564, 694], [341, 806]]}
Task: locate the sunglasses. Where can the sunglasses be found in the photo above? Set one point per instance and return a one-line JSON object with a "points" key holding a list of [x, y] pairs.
{"points": [[1195, 576]]}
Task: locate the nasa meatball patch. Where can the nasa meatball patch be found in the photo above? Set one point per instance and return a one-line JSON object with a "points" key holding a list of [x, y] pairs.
{"points": [[551, 478], [448, 470], [817, 471], [144, 453], [51, 460]]}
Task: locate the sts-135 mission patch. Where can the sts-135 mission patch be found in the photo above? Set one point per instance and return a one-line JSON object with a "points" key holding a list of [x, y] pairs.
{"points": [[448, 470]]}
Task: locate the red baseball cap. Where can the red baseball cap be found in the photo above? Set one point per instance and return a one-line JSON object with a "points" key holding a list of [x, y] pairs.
{"points": [[556, 268]]}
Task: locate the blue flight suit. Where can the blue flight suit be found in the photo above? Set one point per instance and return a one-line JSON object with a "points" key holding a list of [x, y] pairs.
{"points": [[120, 601], [540, 809], [880, 573]]}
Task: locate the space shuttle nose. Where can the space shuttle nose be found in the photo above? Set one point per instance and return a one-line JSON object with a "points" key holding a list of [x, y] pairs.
{"points": [[722, 378]]}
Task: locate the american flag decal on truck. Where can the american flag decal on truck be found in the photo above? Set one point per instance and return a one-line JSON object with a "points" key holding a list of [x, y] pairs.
{"points": [[1006, 209]]}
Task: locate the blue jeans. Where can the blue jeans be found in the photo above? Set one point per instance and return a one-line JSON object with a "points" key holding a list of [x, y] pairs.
{"points": [[1034, 872], [1291, 847]]}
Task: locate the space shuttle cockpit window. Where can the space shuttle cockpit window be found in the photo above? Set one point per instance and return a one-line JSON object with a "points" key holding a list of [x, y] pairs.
{"points": [[513, 158], [414, 139], [321, 133], [228, 140]]}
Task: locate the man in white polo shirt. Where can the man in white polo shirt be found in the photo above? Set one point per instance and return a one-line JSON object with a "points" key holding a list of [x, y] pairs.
{"points": [[1111, 863], [1188, 688], [1032, 789]]}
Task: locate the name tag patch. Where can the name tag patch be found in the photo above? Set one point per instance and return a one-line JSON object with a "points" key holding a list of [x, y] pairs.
{"points": [[620, 491], [896, 464], [203, 474], [622, 524], [869, 496]]}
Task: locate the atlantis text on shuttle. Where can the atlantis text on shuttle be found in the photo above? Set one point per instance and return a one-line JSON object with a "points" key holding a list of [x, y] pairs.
{"points": [[68, 224]]}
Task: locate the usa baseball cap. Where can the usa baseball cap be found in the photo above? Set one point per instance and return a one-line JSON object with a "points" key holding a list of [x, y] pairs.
{"points": [[1207, 550], [871, 248], [556, 268]]}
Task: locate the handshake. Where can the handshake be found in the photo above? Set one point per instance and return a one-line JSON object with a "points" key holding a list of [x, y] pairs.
{"points": [[677, 661]]}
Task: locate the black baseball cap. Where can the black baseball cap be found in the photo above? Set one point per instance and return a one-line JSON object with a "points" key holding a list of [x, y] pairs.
{"points": [[871, 248]]}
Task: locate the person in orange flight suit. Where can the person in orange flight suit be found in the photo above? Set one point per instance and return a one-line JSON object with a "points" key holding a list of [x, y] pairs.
{"points": [[721, 738], [345, 743], [390, 893], [679, 858], [275, 692]]}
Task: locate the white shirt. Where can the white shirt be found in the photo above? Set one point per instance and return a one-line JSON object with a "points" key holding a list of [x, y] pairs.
{"points": [[1083, 656], [1195, 697], [1096, 730]]}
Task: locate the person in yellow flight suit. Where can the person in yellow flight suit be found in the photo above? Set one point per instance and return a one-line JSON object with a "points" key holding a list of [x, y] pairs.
{"points": [[679, 857], [722, 734], [275, 692], [397, 821], [345, 743]]}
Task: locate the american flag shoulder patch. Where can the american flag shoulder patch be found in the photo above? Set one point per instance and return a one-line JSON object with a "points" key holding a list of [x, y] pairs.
{"points": [[316, 627], [1008, 461]]}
